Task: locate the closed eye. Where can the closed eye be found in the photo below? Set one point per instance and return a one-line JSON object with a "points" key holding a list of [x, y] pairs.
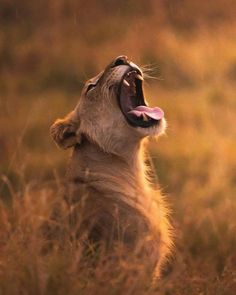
{"points": [[90, 87]]}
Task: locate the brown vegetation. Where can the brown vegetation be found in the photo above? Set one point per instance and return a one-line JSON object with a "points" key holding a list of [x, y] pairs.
{"points": [[47, 50]]}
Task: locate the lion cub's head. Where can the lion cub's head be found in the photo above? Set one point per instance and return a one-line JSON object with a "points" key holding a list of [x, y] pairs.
{"points": [[112, 111]]}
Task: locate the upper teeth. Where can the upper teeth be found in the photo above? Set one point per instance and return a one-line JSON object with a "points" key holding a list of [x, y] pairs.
{"points": [[126, 83], [137, 76]]}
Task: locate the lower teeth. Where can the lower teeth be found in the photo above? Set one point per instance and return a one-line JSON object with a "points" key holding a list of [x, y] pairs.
{"points": [[145, 118]]}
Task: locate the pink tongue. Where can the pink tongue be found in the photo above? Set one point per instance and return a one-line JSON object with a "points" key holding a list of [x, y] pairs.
{"points": [[154, 113]]}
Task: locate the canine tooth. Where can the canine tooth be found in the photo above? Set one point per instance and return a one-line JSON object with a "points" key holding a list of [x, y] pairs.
{"points": [[126, 83], [139, 77], [145, 118]]}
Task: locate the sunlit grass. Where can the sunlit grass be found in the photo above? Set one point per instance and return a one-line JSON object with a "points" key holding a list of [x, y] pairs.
{"points": [[43, 68]]}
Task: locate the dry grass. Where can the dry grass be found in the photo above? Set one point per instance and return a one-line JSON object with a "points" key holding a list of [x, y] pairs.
{"points": [[46, 51], [41, 255]]}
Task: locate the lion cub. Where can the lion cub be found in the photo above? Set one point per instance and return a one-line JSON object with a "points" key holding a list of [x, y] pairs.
{"points": [[108, 175]]}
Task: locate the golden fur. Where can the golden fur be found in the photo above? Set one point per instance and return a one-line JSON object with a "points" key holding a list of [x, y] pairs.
{"points": [[108, 174]]}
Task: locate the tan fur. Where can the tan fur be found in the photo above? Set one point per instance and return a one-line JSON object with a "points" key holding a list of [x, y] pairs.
{"points": [[108, 176]]}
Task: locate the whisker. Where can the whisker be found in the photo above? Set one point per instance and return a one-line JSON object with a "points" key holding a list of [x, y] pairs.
{"points": [[151, 71]]}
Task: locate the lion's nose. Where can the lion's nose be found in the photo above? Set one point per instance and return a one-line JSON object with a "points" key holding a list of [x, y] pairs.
{"points": [[121, 60]]}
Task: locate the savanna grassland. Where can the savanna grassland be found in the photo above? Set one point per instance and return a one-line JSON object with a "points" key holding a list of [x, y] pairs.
{"points": [[47, 50]]}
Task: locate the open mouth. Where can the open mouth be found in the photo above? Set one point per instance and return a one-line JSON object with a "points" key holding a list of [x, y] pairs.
{"points": [[132, 102]]}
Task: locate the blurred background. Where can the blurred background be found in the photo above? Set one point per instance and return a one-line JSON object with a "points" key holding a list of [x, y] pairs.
{"points": [[47, 51]]}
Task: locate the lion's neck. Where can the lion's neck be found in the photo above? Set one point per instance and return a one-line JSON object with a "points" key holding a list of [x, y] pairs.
{"points": [[109, 173]]}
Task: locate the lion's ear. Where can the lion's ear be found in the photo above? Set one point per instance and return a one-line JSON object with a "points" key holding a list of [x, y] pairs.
{"points": [[65, 131]]}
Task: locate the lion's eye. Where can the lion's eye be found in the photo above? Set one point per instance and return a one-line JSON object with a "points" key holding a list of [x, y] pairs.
{"points": [[90, 87]]}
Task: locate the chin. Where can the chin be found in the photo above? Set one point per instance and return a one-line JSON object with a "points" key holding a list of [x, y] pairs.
{"points": [[155, 130]]}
